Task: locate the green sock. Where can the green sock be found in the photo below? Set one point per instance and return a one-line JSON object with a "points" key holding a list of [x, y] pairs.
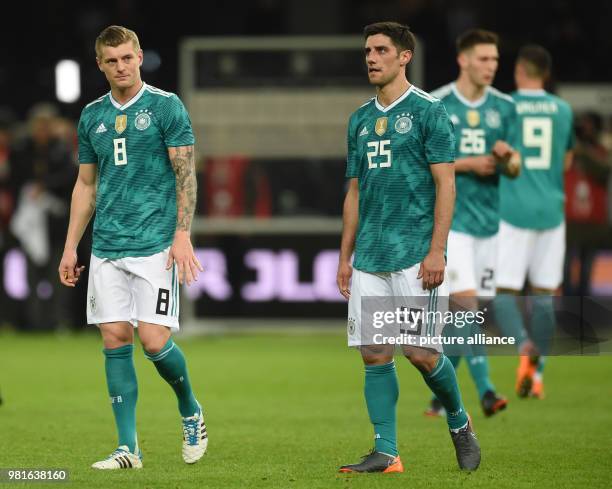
{"points": [[542, 322], [381, 392], [541, 364], [509, 318], [443, 383], [479, 370], [123, 391], [170, 363], [454, 360]]}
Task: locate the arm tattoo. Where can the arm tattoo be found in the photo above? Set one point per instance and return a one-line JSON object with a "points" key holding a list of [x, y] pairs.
{"points": [[183, 164]]}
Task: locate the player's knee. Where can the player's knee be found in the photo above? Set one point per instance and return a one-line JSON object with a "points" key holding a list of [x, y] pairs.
{"points": [[116, 336], [376, 355], [424, 360]]}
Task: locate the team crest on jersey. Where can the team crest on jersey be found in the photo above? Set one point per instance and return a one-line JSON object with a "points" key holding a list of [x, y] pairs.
{"points": [[120, 123], [92, 303], [403, 124], [351, 326], [143, 119], [492, 118], [381, 126], [473, 118]]}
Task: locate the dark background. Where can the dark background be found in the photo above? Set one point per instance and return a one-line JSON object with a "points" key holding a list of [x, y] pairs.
{"points": [[35, 36]]}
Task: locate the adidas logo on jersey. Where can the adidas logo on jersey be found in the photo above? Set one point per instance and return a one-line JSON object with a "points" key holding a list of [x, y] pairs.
{"points": [[101, 128], [364, 131]]}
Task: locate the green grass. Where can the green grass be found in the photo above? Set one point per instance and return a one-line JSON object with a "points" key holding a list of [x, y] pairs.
{"points": [[285, 411]]}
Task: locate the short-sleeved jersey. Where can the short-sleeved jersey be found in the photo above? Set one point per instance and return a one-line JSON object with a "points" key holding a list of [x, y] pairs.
{"points": [[536, 199], [478, 125], [389, 152], [136, 188]]}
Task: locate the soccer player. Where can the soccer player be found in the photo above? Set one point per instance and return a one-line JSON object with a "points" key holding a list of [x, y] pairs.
{"points": [[532, 229], [137, 172], [397, 213], [484, 120]]}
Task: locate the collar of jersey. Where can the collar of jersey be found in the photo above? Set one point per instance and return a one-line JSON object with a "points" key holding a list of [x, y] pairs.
{"points": [[470, 103], [531, 92], [395, 102], [132, 101]]}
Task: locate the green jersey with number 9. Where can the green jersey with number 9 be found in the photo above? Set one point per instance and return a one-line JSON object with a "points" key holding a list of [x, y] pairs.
{"points": [[136, 188], [478, 125], [536, 199], [389, 152]]}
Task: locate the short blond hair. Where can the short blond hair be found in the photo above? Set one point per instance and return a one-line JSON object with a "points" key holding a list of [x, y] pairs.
{"points": [[115, 35]]}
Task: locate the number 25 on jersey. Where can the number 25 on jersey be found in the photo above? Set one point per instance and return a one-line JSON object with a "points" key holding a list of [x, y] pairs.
{"points": [[382, 149]]}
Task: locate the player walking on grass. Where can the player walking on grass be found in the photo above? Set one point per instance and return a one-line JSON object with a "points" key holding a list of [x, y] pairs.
{"points": [[397, 213], [137, 172], [485, 123], [532, 228]]}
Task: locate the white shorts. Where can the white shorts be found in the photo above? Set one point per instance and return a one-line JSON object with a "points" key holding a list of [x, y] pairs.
{"points": [[133, 289], [402, 287], [530, 253], [471, 263]]}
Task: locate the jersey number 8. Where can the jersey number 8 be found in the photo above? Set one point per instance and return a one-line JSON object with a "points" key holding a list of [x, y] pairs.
{"points": [[120, 152], [379, 148]]}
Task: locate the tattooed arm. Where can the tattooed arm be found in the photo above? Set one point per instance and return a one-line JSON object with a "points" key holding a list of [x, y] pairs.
{"points": [[181, 252]]}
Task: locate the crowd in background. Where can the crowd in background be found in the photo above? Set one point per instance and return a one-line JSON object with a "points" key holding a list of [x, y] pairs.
{"points": [[38, 167]]}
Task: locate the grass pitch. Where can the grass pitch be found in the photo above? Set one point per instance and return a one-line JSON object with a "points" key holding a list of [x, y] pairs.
{"points": [[284, 411]]}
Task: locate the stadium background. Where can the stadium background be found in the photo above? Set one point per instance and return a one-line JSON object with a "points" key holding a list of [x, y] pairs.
{"points": [[269, 209]]}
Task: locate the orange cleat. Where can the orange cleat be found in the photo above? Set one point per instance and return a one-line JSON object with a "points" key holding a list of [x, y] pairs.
{"points": [[375, 462], [528, 364], [537, 390]]}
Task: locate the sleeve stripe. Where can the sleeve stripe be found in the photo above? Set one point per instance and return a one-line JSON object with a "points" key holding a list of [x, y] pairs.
{"points": [[157, 91], [99, 99], [499, 94]]}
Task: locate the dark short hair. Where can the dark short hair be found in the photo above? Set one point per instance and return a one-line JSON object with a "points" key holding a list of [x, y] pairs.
{"points": [[470, 38], [400, 34], [536, 59]]}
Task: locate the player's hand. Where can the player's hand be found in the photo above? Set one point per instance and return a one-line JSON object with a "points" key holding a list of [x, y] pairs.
{"points": [[69, 272], [484, 165], [345, 271], [432, 270], [181, 253], [502, 151]]}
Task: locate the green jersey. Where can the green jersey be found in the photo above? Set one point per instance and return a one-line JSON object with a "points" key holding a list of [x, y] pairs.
{"points": [[389, 152], [478, 125], [136, 188], [536, 199]]}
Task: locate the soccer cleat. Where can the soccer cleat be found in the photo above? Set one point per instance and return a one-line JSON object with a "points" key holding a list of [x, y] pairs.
{"points": [[537, 389], [121, 458], [524, 374], [467, 448], [435, 409], [492, 403], [375, 462], [195, 438]]}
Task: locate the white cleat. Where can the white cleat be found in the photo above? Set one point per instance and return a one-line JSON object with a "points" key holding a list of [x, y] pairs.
{"points": [[121, 458], [195, 438]]}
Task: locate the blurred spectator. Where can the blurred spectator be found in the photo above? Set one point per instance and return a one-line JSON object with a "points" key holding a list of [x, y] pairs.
{"points": [[6, 195], [42, 175], [586, 205]]}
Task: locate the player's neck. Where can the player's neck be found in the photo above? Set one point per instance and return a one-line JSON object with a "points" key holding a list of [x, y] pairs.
{"points": [[391, 91], [124, 95], [469, 90], [530, 85]]}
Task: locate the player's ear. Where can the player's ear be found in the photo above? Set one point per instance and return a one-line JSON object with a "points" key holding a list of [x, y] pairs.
{"points": [[405, 57], [99, 63], [140, 57]]}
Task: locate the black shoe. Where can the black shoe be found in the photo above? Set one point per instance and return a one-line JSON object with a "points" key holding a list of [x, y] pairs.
{"points": [[375, 462], [435, 409], [492, 403], [467, 448]]}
